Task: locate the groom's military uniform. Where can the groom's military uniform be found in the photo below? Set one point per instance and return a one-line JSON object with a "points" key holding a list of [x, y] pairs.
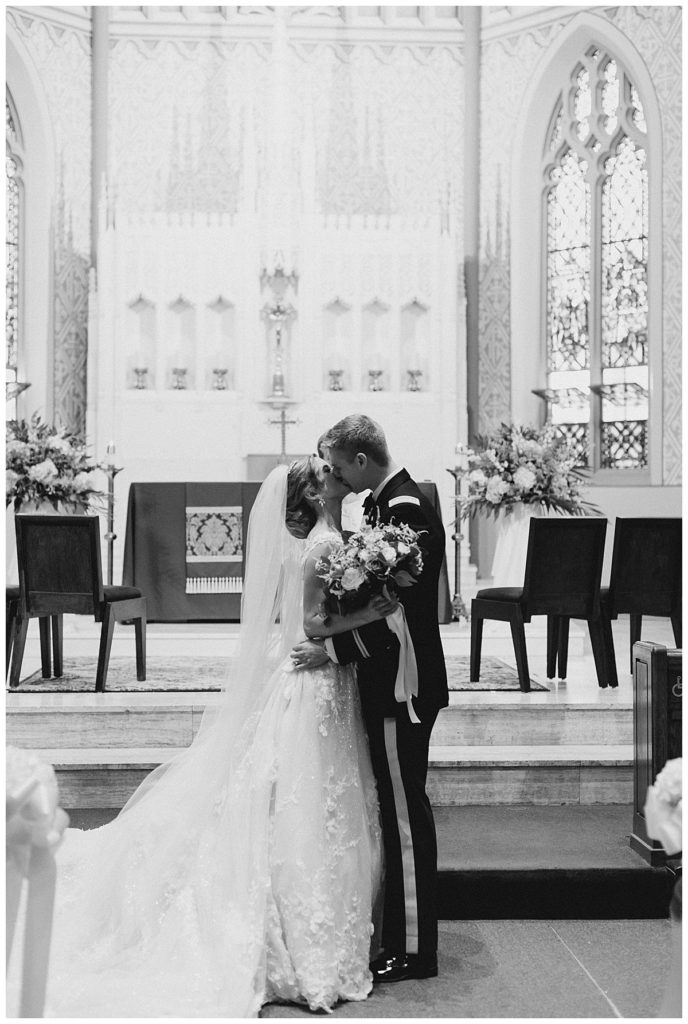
{"points": [[399, 748]]}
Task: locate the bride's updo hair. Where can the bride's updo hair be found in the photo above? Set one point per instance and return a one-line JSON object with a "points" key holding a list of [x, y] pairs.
{"points": [[304, 487]]}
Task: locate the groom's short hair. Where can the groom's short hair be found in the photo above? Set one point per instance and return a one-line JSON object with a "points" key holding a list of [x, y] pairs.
{"points": [[358, 433]]}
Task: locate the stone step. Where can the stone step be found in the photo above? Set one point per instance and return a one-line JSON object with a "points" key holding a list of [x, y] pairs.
{"points": [[147, 722], [82, 636], [523, 862], [505, 722], [492, 775], [90, 777]]}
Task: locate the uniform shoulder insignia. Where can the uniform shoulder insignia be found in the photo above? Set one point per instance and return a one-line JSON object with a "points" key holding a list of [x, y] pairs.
{"points": [[403, 499]]}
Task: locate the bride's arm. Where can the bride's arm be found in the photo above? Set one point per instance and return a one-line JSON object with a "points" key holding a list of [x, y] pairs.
{"points": [[319, 623]]}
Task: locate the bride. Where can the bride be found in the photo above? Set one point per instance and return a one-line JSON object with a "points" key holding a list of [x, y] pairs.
{"points": [[246, 869]]}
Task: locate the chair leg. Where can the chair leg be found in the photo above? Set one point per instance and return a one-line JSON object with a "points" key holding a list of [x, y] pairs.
{"points": [[10, 619], [553, 626], [636, 626], [609, 652], [21, 628], [106, 634], [44, 630], [563, 646], [58, 631], [140, 630], [677, 626], [476, 646], [518, 635], [596, 630]]}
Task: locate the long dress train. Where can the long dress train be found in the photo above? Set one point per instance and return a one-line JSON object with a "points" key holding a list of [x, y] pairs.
{"points": [[241, 876]]}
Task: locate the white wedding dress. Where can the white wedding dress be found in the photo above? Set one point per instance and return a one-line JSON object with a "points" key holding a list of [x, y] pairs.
{"points": [[246, 871]]}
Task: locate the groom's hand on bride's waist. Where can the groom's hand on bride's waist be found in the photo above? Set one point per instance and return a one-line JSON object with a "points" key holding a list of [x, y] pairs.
{"points": [[309, 654]]}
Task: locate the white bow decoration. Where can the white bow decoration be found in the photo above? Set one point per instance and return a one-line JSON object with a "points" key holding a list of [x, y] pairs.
{"points": [[35, 824]]}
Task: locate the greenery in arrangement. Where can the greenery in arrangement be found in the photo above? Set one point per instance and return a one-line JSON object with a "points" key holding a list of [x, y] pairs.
{"points": [[523, 465], [47, 464]]}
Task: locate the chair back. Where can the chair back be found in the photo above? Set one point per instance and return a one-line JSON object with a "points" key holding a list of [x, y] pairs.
{"points": [[564, 566], [59, 564], [645, 575]]}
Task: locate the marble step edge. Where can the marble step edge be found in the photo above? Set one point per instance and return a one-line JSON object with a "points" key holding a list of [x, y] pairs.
{"points": [[568, 756], [79, 627], [152, 702]]}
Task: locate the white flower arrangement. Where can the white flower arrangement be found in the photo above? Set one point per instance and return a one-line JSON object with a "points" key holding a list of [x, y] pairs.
{"points": [[47, 464], [664, 807], [385, 555], [523, 465]]}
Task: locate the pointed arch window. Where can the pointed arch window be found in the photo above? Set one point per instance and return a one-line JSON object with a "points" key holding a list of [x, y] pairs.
{"points": [[14, 206], [596, 275]]}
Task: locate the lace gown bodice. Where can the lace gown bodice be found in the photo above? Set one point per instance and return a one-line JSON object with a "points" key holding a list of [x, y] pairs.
{"points": [[231, 886]]}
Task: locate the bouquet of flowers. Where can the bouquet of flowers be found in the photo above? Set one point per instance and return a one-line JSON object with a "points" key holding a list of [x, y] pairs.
{"points": [[523, 465], [664, 807], [384, 555], [47, 464]]}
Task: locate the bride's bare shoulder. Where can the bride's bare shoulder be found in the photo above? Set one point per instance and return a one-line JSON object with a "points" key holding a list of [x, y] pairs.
{"points": [[321, 542]]}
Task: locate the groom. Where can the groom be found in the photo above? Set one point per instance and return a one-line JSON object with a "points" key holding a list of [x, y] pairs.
{"points": [[357, 451]]}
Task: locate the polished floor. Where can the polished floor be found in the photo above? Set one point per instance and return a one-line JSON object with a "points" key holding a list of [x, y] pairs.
{"points": [[530, 969]]}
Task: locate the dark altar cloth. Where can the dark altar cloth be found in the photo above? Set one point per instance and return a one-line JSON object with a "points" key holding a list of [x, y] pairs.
{"points": [[155, 554]]}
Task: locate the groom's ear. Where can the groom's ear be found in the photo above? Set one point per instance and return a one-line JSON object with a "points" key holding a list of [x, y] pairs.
{"points": [[361, 460]]}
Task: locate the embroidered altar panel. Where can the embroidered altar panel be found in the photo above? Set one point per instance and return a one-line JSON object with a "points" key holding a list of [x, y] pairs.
{"points": [[214, 538]]}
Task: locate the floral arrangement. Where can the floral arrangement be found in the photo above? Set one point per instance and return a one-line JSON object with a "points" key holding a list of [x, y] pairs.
{"points": [[384, 555], [664, 807], [523, 465], [47, 464]]}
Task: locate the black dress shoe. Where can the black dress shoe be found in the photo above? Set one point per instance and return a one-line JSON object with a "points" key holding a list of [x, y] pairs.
{"points": [[402, 967]]}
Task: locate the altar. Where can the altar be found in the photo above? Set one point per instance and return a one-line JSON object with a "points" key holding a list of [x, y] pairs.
{"points": [[184, 548]]}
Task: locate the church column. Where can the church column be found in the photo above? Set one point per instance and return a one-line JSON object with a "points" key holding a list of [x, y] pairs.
{"points": [[471, 227], [471, 206], [99, 115]]}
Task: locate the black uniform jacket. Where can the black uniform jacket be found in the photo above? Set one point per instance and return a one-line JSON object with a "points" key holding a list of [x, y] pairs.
{"points": [[374, 647]]}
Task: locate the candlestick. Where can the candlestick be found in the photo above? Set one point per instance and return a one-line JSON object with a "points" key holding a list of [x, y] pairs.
{"points": [[460, 467], [111, 471]]}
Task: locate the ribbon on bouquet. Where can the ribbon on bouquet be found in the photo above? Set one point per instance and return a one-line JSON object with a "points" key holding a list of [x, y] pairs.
{"points": [[406, 684], [34, 827]]}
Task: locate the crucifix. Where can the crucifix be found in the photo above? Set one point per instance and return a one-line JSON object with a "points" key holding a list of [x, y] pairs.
{"points": [[283, 422]]}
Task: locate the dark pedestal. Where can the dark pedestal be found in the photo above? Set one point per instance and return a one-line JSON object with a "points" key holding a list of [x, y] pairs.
{"points": [[657, 732]]}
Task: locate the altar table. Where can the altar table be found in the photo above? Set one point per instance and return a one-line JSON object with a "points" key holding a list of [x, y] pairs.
{"points": [[155, 556]]}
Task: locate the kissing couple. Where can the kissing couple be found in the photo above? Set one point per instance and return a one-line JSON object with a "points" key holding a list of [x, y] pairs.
{"points": [[289, 853]]}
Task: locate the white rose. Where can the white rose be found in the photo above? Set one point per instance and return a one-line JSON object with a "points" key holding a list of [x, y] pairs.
{"points": [[531, 448], [83, 482], [389, 555], [477, 477], [524, 478], [496, 489], [43, 472], [352, 579], [60, 444], [403, 549], [10, 480], [17, 448]]}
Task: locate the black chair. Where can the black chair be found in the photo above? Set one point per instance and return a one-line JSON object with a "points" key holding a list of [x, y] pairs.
{"points": [[645, 578], [562, 581], [60, 573]]}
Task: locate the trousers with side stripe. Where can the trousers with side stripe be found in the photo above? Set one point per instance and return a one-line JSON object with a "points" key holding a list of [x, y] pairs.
{"points": [[399, 754]]}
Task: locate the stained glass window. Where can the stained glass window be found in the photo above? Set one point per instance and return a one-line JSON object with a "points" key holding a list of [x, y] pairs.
{"points": [[596, 190]]}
